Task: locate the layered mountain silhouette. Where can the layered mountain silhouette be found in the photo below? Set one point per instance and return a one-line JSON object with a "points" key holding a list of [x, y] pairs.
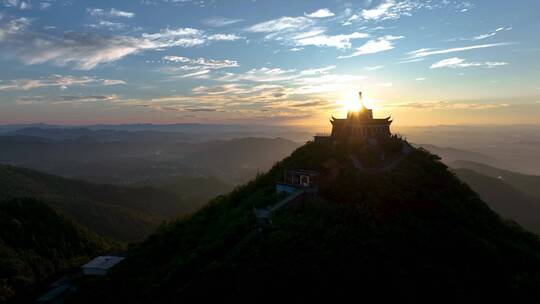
{"points": [[511, 194], [385, 225], [119, 213], [119, 157]]}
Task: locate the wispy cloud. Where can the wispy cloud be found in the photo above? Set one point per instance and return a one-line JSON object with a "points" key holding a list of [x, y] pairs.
{"points": [[44, 5], [104, 24], [456, 62], [88, 50], [183, 36], [491, 34], [429, 52], [13, 27], [392, 9], [320, 13], [380, 44], [60, 81], [236, 88], [342, 41], [261, 75], [281, 24], [464, 6], [374, 68], [22, 5], [377, 11], [292, 81], [98, 12], [446, 105], [220, 21], [198, 64], [224, 37], [380, 12], [317, 71], [304, 31], [109, 82], [82, 98]]}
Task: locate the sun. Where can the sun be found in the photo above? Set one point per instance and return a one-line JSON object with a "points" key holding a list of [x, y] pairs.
{"points": [[350, 102], [351, 105]]}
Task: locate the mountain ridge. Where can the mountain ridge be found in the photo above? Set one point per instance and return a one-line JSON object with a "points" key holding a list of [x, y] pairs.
{"points": [[121, 213]]}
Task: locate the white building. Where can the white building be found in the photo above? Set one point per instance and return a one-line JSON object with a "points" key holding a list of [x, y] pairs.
{"points": [[100, 265]]}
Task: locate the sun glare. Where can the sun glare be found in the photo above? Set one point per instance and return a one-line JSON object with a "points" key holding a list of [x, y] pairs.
{"points": [[351, 102]]}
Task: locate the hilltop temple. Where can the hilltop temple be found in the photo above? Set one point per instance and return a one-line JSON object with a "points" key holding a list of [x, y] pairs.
{"points": [[358, 126]]}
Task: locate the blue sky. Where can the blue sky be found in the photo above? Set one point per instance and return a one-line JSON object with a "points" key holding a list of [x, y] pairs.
{"points": [[271, 62]]}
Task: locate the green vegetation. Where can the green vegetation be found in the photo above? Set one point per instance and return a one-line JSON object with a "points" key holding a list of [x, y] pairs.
{"points": [[413, 234], [195, 190], [121, 213], [35, 244]]}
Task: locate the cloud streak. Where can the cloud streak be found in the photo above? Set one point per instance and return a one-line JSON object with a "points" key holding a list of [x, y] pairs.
{"points": [[491, 34], [446, 105], [196, 68], [112, 13], [281, 24], [60, 81], [220, 21], [456, 62], [342, 41], [429, 52]]}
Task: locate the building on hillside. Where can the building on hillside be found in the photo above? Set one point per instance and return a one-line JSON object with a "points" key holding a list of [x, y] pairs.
{"points": [[100, 265], [293, 180], [296, 184], [358, 126]]}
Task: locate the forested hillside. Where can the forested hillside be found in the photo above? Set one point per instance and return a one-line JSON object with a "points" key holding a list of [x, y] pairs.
{"points": [[121, 213], [36, 243], [411, 234]]}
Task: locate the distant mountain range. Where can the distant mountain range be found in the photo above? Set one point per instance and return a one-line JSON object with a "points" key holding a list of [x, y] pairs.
{"points": [[513, 195], [188, 132], [126, 160], [529, 184], [515, 147], [449, 154]]}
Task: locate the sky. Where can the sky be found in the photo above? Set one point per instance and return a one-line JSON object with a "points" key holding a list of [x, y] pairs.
{"points": [[269, 62]]}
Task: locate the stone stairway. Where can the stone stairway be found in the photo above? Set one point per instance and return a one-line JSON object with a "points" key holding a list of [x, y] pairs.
{"points": [[263, 214]]}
